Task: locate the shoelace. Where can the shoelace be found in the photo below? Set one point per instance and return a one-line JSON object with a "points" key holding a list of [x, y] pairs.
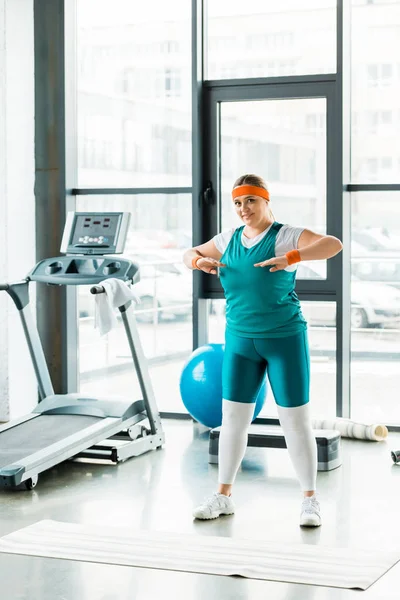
{"points": [[210, 499], [310, 505]]}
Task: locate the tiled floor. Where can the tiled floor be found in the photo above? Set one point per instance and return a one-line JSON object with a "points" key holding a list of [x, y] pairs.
{"points": [[157, 491]]}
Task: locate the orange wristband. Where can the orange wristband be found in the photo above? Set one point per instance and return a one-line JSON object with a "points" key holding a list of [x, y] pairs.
{"points": [[194, 262], [293, 257]]}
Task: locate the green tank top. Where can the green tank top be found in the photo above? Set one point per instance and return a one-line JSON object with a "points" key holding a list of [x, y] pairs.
{"points": [[259, 303]]}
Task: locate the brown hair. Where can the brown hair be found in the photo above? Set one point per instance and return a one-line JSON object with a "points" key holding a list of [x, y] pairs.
{"points": [[251, 179]]}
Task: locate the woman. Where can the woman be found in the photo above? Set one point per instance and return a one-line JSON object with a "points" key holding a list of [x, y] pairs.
{"points": [[265, 333]]}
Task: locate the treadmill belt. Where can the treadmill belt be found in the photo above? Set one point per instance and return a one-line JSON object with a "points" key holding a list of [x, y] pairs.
{"points": [[37, 434]]}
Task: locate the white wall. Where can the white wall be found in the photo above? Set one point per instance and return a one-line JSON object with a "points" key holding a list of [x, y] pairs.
{"points": [[18, 390]]}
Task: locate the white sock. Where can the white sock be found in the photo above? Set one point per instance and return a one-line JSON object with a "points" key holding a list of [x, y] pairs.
{"points": [[236, 418], [301, 443]]}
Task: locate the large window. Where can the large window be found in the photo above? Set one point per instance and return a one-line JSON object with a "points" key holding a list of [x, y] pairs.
{"points": [[134, 93], [134, 131], [375, 215], [136, 74], [375, 291], [265, 38], [375, 92]]}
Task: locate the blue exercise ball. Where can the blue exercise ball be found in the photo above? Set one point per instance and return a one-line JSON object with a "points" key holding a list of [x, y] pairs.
{"points": [[201, 386]]}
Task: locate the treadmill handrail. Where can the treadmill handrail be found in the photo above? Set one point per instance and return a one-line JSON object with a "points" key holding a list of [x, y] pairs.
{"points": [[19, 292], [140, 362], [97, 289], [4, 287], [139, 359]]}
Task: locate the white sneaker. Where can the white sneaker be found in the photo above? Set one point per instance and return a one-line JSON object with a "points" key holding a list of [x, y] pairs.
{"points": [[215, 506], [310, 512]]}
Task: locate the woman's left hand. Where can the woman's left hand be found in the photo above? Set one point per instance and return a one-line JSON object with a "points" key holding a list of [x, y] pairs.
{"points": [[278, 263]]}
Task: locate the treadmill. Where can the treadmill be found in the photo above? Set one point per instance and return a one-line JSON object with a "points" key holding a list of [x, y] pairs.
{"points": [[67, 426]]}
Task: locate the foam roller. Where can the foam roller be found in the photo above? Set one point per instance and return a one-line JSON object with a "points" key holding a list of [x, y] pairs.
{"points": [[351, 429]]}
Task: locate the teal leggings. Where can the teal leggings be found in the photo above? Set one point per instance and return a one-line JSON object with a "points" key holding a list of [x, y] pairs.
{"points": [[286, 361]]}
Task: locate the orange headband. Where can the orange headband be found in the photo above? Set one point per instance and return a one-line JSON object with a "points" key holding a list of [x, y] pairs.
{"points": [[250, 190]]}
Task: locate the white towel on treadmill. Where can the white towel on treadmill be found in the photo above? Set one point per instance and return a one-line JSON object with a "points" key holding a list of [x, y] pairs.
{"points": [[117, 293]]}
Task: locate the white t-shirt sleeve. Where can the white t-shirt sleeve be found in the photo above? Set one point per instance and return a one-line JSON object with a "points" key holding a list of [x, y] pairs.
{"points": [[221, 240], [287, 240]]}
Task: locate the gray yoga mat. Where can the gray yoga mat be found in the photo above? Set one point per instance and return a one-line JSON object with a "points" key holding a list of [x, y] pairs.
{"points": [[254, 559]]}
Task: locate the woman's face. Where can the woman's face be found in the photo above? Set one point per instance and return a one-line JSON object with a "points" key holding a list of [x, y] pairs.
{"points": [[251, 209]]}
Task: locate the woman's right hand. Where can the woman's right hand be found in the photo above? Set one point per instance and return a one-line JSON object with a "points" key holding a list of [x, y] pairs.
{"points": [[209, 265]]}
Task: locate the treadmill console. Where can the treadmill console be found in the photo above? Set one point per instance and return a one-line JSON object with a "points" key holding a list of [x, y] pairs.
{"points": [[95, 233], [88, 241]]}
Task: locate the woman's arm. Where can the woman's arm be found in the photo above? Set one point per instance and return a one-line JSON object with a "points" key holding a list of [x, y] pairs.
{"points": [[313, 246], [210, 257]]}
